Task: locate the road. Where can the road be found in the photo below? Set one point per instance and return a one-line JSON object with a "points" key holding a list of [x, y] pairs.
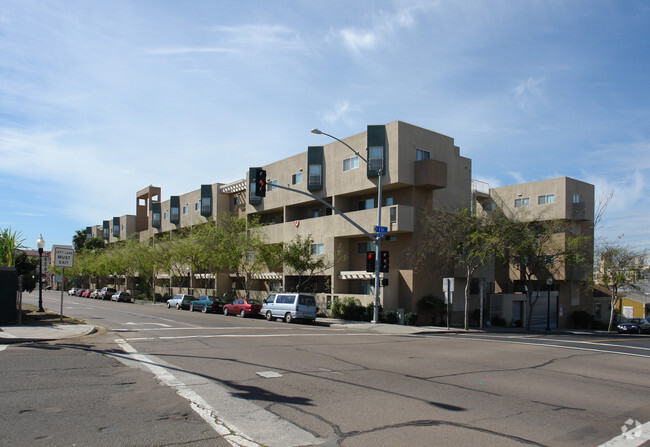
{"points": [[270, 383]]}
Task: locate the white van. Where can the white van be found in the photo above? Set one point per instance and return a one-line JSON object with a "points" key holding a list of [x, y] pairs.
{"points": [[289, 307]]}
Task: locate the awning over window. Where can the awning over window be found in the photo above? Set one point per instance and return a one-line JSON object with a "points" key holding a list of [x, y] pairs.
{"points": [[356, 275]]}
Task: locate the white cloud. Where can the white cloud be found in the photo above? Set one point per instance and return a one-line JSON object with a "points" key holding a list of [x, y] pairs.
{"points": [[530, 92]]}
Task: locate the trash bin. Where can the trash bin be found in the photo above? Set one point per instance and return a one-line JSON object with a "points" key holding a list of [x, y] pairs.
{"points": [[8, 295]]}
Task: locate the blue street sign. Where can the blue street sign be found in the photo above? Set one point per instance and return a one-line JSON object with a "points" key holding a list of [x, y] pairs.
{"points": [[383, 230]]}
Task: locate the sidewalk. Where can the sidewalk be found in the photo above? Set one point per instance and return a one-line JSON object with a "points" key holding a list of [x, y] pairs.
{"points": [[20, 334], [42, 326]]}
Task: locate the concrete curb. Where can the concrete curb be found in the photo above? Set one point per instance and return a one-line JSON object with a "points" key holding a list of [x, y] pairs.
{"points": [[35, 333]]}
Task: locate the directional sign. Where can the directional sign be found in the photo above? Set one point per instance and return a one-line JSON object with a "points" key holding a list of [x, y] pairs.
{"points": [[381, 229], [62, 255]]}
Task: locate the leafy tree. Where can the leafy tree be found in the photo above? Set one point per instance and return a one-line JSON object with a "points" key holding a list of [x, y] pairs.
{"points": [[297, 256], [538, 249], [617, 270], [459, 238], [241, 248], [10, 243], [94, 243], [27, 268]]}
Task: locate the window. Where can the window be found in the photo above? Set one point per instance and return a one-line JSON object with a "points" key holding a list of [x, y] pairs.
{"points": [[364, 247], [317, 249], [367, 204], [577, 198], [524, 201], [166, 214], [388, 201], [196, 206], [122, 227], [315, 213], [376, 158], [184, 209], [315, 174], [206, 205], [364, 288], [544, 200], [422, 155], [236, 201], [155, 220], [269, 185], [393, 214], [350, 163], [296, 178]]}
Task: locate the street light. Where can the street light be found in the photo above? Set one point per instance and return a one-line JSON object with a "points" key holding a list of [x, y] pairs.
{"points": [[377, 238], [549, 281], [188, 280], [40, 243]]}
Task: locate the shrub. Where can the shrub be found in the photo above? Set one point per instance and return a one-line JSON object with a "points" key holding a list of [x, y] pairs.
{"points": [[348, 309], [389, 317], [411, 319], [581, 319]]}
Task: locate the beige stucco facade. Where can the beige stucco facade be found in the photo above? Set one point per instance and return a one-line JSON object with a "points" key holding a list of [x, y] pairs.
{"points": [[423, 169]]}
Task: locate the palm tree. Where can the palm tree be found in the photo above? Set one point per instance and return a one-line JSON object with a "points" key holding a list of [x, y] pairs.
{"points": [[78, 240], [10, 243]]}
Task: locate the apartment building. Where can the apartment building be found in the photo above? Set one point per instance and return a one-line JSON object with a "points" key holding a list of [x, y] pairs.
{"points": [[419, 170], [422, 169], [559, 199]]}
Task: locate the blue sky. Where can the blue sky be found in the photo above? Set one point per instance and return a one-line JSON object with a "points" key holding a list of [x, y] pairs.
{"points": [[99, 99]]}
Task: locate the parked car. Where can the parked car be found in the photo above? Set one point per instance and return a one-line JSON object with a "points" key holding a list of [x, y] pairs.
{"points": [[242, 307], [73, 291], [289, 307], [78, 292], [106, 293], [180, 301], [86, 293], [122, 296], [207, 303], [94, 293], [634, 326]]}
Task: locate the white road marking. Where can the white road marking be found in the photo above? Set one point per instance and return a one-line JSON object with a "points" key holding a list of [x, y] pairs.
{"points": [[157, 324], [3, 347], [267, 427], [633, 436], [269, 374], [548, 345]]}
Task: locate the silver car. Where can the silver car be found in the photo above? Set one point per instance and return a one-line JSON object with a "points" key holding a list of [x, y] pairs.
{"points": [[180, 301]]}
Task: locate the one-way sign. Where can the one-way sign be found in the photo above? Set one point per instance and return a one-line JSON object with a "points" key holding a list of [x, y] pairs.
{"points": [[62, 255]]}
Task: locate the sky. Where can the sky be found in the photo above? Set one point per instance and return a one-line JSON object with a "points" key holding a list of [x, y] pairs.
{"points": [[99, 99]]}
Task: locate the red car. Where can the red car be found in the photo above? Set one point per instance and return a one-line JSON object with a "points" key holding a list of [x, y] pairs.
{"points": [[86, 293], [242, 307]]}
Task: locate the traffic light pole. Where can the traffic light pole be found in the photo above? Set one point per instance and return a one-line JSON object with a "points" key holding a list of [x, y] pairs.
{"points": [[375, 315]]}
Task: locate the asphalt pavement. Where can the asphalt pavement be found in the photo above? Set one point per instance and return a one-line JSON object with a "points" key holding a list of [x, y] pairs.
{"points": [[67, 384]]}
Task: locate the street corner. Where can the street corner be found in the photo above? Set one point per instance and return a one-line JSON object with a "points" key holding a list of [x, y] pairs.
{"points": [[22, 334]]}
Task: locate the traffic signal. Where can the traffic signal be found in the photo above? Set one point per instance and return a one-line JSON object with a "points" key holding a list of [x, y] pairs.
{"points": [[370, 261], [260, 183], [383, 262]]}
